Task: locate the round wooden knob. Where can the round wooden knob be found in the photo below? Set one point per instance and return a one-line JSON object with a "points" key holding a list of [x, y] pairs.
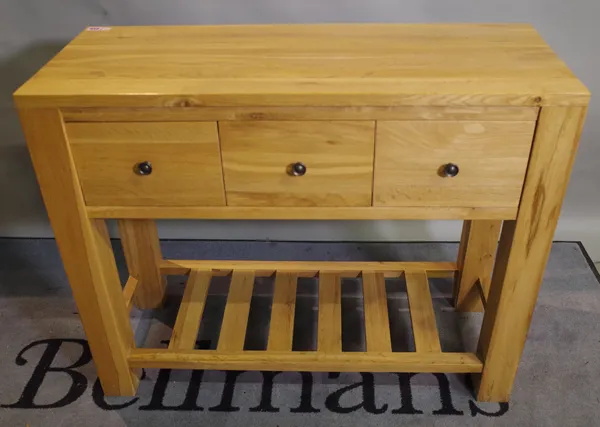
{"points": [[450, 170], [297, 169], [144, 168]]}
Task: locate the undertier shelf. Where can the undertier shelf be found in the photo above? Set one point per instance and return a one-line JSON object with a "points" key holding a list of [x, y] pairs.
{"points": [[328, 356]]}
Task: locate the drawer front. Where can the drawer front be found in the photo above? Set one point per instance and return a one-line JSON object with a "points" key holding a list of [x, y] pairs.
{"points": [[413, 160], [184, 160], [258, 159]]}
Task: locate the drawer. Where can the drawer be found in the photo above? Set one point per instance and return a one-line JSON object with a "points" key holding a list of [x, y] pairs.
{"points": [[258, 159], [184, 159], [411, 159]]}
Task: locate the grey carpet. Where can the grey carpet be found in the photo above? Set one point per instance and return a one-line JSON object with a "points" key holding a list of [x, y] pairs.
{"points": [[47, 378]]}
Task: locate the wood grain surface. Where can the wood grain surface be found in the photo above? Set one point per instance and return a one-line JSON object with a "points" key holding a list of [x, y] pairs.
{"points": [[338, 156], [329, 324], [314, 361], [523, 251], [476, 256], [185, 331], [283, 310], [86, 251], [422, 316], [377, 326], [258, 113], [492, 158], [306, 268], [297, 65], [141, 246], [302, 212], [185, 159], [235, 318]]}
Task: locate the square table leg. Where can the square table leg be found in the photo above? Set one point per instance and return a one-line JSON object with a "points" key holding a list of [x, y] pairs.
{"points": [[86, 252], [523, 251]]}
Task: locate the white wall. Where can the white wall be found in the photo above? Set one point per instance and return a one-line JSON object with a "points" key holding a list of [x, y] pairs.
{"points": [[31, 31]]}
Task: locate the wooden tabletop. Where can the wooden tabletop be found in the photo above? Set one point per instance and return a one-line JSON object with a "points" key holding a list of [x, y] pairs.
{"points": [[296, 65]]}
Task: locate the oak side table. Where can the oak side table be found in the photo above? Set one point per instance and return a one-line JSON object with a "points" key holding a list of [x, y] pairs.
{"points": [[472, 122]]}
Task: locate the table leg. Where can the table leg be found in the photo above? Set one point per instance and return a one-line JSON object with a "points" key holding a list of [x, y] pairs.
{"points": [[523, 251], [86, 252], [142, 252], [476, 253]]}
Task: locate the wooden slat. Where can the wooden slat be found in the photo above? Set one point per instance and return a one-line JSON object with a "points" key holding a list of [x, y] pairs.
{"points": [[179, 114], [306, 361], [281, 328], [329, 339], [377, 328], [421, 312], [129, 291], [306, 268], [190, 312], [299, 65], [235, 319], [303, 213]]}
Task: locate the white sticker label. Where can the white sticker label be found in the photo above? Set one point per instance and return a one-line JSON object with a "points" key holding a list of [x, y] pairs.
{"points": [[98, 28]]}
